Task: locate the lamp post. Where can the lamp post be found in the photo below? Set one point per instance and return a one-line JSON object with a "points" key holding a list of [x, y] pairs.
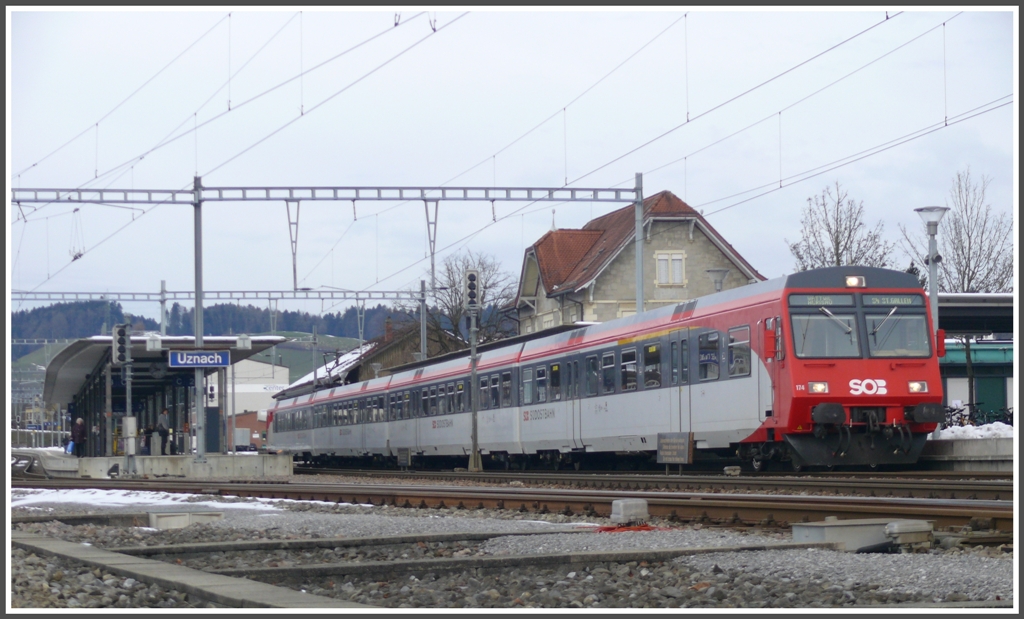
{"points": [[718, 277], [932, 215]]}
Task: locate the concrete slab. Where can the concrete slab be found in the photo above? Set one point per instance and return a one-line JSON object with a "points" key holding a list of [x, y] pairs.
{"points": [[216, 466], [854, 534], [629, 510], [217, 588]]}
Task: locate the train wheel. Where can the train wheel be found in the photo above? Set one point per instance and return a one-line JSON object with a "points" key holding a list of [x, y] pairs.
{"points": [[797, 465], [758, 465]]}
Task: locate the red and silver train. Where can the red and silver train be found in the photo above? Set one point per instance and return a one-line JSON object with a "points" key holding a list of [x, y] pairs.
{"points": [[835, 366]]}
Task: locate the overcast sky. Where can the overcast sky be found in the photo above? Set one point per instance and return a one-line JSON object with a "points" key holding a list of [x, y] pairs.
{"points": [[418, 107]]}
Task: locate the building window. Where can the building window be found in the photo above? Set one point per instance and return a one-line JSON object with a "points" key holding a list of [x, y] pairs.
{"points": [[549, 321], [671, 267]]}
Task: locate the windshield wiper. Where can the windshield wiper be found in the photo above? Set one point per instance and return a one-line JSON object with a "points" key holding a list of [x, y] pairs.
{"points": [[846, 328], [887, 317]]}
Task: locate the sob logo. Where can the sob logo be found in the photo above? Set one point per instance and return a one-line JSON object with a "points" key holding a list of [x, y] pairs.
{"points": [[868, 386]]}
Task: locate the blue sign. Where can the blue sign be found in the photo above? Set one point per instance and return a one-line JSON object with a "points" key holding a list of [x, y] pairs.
{"points": [[199, 358]]}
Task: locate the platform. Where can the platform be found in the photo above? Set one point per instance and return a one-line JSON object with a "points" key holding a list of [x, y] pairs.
{"points": [[53, 463], [969, 454]]}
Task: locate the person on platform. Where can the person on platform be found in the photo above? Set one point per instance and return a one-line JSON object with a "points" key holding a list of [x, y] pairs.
{"points": [[78, 435], [163, 425]]}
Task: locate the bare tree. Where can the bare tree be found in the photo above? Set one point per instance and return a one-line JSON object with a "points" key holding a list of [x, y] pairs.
{"points": [[976, 245], [447, 314], [834, 234]]}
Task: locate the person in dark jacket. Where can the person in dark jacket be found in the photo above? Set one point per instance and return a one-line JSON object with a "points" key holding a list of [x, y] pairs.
{"points": [[163, 426], [78, 435]]}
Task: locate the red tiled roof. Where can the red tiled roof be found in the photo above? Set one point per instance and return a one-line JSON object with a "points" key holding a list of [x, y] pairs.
{"points": [[571, 259], [559, 251]]}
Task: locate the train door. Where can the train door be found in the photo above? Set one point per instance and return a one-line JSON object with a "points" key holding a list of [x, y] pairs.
{"points": [[573, 404], [767, 369], [679, 378]]}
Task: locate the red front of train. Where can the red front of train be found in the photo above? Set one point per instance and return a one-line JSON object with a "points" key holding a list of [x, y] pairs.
{"points": [[855, 363]]}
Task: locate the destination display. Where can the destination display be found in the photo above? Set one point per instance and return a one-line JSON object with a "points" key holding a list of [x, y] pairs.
{"points": [[199, 359], [819, 300], [889, 300]]}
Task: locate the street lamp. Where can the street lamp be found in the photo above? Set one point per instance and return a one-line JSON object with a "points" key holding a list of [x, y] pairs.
{"points": [[932, 215], [718, 277]]}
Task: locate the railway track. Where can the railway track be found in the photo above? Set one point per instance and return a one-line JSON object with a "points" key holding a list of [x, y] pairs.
{"points": [[733, 509], [939, 487]]}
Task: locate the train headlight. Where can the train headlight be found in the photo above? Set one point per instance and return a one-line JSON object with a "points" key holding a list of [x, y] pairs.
{"points": [[817, 387], [918, 386], [855, 281]]}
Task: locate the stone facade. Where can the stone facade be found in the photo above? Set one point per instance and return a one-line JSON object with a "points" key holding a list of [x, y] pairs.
{"points": [[686, 246]]}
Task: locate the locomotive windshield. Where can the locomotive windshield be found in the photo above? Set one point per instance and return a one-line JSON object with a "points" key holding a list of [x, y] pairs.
{"points": [[825, 335], [893, 335], [892, 326]]}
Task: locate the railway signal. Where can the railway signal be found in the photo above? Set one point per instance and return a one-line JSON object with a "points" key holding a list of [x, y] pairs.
{"points": [[122, 345], [470, 289]]}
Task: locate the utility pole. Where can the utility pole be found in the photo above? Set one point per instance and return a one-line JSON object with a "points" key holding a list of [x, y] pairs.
{"points": [[200, 392], [639, 241], [475, 466], [423, 320], [471, 295]]}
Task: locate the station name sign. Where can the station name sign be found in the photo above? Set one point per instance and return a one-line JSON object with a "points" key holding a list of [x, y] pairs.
{"points": [[199, 359]]}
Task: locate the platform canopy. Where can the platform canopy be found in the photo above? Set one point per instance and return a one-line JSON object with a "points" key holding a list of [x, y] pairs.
{"points": [[976, 312], [69, 370]]}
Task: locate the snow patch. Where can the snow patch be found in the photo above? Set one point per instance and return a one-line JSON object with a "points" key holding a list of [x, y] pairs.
{"points": [[996, 429]]}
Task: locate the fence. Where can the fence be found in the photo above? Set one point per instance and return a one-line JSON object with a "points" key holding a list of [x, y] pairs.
{"points": [[37, 438]]}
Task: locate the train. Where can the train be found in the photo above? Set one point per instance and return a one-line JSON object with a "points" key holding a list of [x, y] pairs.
{"points": [[819, 368]]}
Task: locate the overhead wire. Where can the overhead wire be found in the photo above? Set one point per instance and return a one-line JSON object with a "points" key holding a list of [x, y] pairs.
{"points": [[126, 99], [129, 164], [329, 98], [797, 102], [732, 99]]}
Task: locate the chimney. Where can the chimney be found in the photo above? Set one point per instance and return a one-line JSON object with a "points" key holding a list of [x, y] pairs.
{"points": [[387, 330]]}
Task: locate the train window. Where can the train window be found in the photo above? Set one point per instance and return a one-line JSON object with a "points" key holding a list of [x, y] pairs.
{"points": [[739, 351], [591, 379], [652, 366], [495, 401], [542, 385], [460, 404], [425, 402], [442, 401], [506, 388], [608, 372], [408, 404], [893, 335], [629, 369], [684, 362], [527, 386], [555, 386], [707, 352], [576, 379], [482, 400], [825, 336], [433, 401], [675, 364], [451, 397]]}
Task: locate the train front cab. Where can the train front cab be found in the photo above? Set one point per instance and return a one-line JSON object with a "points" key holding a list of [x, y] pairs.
{"points": [[859, 370]]}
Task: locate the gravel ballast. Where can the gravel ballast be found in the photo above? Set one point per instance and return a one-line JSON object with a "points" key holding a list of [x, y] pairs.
{"points": [[751, 579]]}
